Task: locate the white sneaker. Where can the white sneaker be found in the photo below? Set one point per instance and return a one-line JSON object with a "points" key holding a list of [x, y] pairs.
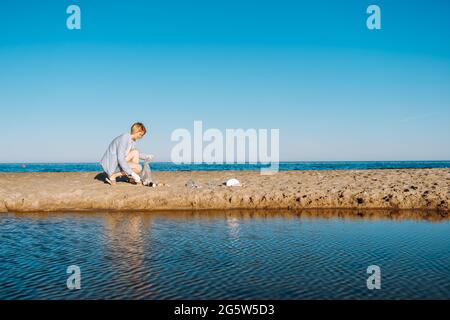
{"points": [[110, 181]]}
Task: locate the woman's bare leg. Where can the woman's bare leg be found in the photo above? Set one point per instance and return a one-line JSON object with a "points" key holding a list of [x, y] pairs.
{"points": [[132, 159], [132, 156], [114, 176], [137, 168]]}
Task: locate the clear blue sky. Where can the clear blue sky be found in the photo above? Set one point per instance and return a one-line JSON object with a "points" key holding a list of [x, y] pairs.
{"points": [[336, 90]]}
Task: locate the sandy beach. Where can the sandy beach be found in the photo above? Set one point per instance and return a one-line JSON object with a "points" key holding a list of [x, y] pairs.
{"points": [[387, 189]]}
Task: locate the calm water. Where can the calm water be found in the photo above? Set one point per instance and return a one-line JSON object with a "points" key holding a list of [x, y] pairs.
{"points": [[168, 166], [233, 255]]}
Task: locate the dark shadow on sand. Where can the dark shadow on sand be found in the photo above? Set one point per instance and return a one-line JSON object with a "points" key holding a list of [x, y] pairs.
{"points": [[102, 177]]}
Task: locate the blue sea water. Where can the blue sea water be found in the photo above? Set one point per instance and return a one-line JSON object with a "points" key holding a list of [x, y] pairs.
{"points": [[168, 166]]}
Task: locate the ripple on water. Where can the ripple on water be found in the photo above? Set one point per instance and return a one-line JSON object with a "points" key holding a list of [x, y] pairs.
{"points": [[222, 255]]}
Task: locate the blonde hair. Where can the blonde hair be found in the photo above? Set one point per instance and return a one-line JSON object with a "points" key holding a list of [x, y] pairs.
{"points": [[138, 127]]}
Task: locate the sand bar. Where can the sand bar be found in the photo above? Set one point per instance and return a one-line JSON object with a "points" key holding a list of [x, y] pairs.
{"points": [[427, 189]]}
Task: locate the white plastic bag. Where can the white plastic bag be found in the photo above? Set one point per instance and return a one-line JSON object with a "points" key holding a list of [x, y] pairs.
{"points": [[146, 175]]}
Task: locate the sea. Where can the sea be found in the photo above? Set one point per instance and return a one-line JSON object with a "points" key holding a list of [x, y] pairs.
{"points": [[169, 166]]}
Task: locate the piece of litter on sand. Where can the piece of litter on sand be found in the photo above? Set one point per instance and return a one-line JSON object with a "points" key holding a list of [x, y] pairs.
{"points": [[192, 184], [157, 184], [215, 183], [233, 183]]}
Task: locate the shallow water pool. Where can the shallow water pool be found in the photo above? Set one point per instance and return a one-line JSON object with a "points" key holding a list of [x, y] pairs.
{"points": [[225, 255]]}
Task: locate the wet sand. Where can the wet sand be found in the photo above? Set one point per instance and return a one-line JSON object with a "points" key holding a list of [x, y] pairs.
{"points": [[424, 189], [247, 214]]}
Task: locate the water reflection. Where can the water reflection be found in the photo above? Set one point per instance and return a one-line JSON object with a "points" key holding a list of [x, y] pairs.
{"points": [[144, 218], [124, 245], [233, 227], [234, 254]]}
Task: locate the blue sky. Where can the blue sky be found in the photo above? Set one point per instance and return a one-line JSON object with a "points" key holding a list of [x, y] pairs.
{"points": [[336, 90]]}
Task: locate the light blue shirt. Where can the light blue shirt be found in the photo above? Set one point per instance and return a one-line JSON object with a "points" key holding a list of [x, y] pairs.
{"points": [[114, 159]]}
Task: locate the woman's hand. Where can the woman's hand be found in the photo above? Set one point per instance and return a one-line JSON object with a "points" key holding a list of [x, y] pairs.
{"points": [[136, 177]]}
